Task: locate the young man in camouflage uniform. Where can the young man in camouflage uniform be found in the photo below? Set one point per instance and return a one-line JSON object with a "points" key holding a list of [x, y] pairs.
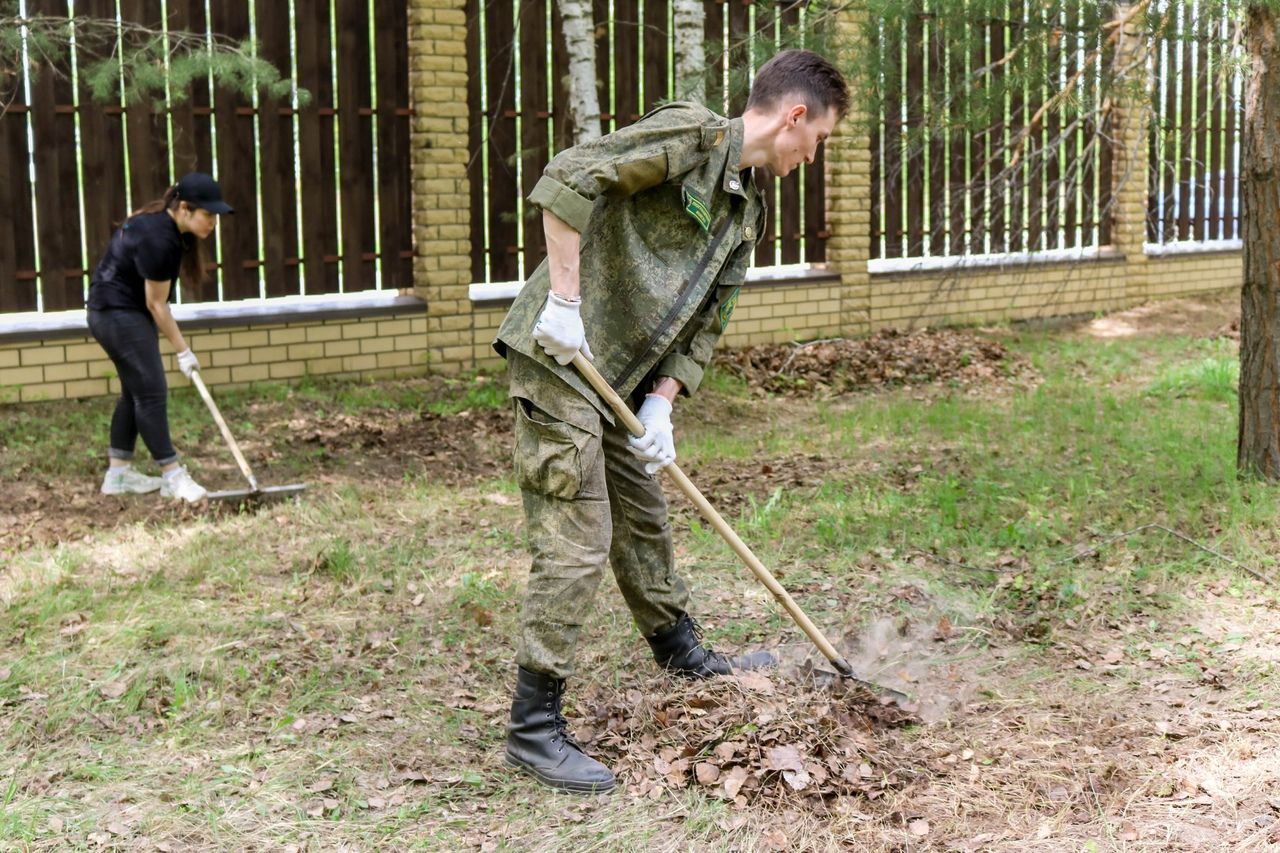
{"points": [[650, 231]]}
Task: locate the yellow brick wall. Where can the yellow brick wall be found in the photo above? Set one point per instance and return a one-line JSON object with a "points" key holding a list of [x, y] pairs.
{"points": [[848, 197], [441, 192], [985, 294], [1168, 276], [366, 348]]}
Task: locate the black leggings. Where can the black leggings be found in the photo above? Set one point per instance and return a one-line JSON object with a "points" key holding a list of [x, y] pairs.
{"points": [[130, 339]]}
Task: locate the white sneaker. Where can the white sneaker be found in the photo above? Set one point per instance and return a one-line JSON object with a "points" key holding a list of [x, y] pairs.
{"points": [[178, 484], [123, 480]]}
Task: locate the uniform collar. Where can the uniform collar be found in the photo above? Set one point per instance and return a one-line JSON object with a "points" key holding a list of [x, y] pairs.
{"points": [[734, 182], [721, 173]]}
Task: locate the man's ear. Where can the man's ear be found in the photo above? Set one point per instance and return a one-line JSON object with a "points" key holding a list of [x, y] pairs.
{"points": [[795, 113]]}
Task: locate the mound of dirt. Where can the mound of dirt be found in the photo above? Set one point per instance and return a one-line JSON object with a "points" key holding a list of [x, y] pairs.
{"points": [[890, 357], [748, 739]]}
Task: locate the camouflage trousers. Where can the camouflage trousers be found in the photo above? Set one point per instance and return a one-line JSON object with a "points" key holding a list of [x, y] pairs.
{"points": [[587, 500]]}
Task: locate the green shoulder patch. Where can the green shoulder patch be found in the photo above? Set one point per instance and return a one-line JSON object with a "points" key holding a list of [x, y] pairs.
{"points": [[726, 308], [696, 206]]}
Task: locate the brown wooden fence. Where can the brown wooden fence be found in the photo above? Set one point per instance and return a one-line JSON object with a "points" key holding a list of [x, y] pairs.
{"points": [[941, 189], [519, 116], [1194, 173], [321, 193]]}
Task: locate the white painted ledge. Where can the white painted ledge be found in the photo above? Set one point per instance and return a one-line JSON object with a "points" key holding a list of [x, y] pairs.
{"points": [[505, 291], [35, 325], [1192, 247], [891, 266]]}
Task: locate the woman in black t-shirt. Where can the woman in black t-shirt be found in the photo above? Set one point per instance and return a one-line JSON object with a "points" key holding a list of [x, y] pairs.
{"points": [[129, 299]]}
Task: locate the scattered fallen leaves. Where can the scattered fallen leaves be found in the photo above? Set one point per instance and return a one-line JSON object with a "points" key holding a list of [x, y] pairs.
{"points": [[889, 357], [745, 740]]}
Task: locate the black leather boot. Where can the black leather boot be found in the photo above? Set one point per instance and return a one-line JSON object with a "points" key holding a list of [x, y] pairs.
{"points": [[538, 740], [680, 649]]}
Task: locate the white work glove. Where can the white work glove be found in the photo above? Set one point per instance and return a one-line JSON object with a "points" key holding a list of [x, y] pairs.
{"points": [[657, 447], [559, 330], [187, 362]]}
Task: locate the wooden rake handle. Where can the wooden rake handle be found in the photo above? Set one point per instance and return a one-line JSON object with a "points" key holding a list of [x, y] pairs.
{"points": [[226, 433], [709, 512]]}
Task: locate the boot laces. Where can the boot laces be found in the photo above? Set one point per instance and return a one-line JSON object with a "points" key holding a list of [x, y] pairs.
{"points": [[709, 652], [560, 725]]}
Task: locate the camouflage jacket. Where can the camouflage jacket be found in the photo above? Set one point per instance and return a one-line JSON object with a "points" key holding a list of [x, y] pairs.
{"points": [[668, 227]]}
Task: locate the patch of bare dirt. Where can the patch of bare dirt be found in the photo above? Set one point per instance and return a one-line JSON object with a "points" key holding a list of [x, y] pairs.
{"points": [[1208, 316], [889, 358]]}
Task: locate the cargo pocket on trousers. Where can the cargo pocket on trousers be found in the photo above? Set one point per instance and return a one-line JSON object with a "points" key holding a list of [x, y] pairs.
{"points": [[548, 459]]}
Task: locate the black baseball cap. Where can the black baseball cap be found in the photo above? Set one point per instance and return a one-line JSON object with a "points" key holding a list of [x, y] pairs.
{"points": [[200, 190]]}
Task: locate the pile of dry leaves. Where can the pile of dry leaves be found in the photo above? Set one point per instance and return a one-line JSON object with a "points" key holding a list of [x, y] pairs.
{"points": [[889, 357], [747, 738]]}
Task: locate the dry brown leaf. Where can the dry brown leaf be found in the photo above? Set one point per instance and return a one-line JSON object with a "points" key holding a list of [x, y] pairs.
{"points": [[706, 773], [113, 689], [783, 758], [756, 681], [322, 784], [775, 839], [734, 781], [797, 780], [727, 750], [74, 624]]}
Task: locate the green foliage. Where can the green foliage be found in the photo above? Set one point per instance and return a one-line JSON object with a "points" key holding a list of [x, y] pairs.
{"points": [[132, 63], [1053, 35], [478, 392], [339, 561], [1058, 49], [1209, 378]]}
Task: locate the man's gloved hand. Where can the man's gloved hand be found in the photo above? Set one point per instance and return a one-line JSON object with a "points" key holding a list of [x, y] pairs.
{"points": [[559, 330], [657, 447], [187, 362]]}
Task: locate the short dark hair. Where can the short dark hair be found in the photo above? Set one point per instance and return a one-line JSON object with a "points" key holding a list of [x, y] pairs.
{"points": [[804, 73]]}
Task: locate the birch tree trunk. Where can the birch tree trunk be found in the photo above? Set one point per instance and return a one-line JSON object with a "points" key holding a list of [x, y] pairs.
{"points": [[580, 42], [1258, 448], [690, 22]]}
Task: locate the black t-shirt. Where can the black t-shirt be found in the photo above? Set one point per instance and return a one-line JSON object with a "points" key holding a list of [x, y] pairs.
{"points": [[147, 246]]}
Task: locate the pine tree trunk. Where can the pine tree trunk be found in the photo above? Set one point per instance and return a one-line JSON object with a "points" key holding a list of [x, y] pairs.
{"points": [[689, 18], [579, 39], [1258, 450]]}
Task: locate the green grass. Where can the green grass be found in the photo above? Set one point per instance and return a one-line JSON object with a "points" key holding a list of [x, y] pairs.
{"points": [[370, 627]]}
